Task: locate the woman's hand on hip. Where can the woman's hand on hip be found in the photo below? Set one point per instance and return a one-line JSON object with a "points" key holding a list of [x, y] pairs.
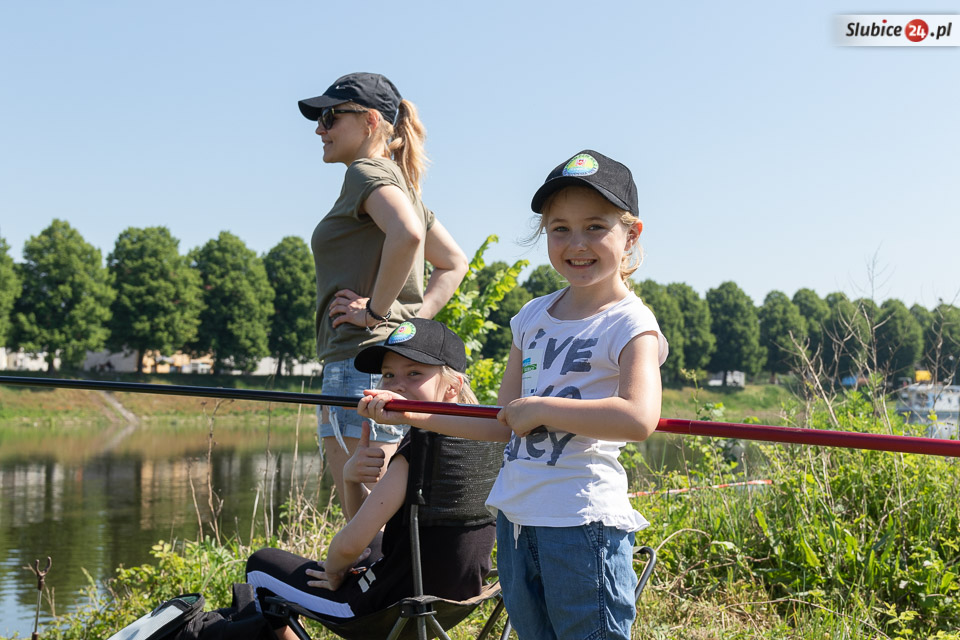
{"points": [[348, 306]]}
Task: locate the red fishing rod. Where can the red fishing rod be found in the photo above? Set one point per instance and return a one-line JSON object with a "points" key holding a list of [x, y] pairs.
{"points": [[760, 432]]}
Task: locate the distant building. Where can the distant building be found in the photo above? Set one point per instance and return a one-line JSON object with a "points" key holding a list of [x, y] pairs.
{"points": [[22, 361], [935, 405], [153, 362], [734, 379], [124, 362], [268, 367]]}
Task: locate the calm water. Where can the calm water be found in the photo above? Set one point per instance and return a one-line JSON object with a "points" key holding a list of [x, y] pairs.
{"points": [[95, 499]]}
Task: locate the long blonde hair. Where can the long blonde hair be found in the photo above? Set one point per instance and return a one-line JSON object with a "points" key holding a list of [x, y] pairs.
{"points": [[404, 142]]}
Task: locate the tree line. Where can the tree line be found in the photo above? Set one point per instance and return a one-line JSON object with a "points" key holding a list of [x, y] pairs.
{"points": [[220, 298], [225, 300], [833, 337]]}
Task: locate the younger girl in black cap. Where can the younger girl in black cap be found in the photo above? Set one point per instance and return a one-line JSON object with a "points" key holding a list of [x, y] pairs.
{"points": [[422, 360]]}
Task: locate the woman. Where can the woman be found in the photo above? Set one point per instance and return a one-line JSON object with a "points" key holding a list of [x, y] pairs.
{"points": [[369, 250]]}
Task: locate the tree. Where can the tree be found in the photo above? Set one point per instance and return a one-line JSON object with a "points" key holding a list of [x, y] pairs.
{"points": [[238, 303], [899, 339], [543, 280], [815, 311], [158, 295], [467, 314], [941, 340], [922, 316], [737, 331], [670, 319], [845, 337], [64, 306], [781, 328], [699, 342], [290, 271], [9, 290], [496, 343]]}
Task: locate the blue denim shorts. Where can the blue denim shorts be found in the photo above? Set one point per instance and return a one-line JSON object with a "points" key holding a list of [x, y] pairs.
{"points": [[342, 379], [567, 582]]}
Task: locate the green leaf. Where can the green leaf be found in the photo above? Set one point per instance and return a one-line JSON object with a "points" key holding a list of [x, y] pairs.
{"points": [[808, 553]]}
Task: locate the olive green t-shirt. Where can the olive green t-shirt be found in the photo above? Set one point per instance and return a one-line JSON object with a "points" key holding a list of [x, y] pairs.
{"points": [[347, 245]]}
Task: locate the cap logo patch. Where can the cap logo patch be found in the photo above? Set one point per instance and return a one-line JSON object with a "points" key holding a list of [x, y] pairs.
{"points": [[404, 332], [581, 165]]}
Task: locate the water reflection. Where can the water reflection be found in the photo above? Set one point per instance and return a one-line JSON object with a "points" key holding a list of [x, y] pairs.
{"points": [[106, 506]]}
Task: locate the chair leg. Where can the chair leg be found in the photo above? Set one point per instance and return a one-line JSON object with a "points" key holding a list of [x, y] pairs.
{"points": [[294, 623], [647, 570], [492, 620], [275, 607], [435, 626], [397, 628]]}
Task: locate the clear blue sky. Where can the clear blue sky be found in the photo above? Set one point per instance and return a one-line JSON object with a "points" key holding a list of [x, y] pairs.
{"points": [[764, 154]]}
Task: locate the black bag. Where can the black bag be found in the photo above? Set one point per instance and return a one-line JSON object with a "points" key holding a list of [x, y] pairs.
{"points": [[164, 620], [240, 621], [183, 618]]}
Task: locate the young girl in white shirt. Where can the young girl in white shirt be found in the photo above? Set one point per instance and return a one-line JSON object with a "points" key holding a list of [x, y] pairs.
{"points": [[582, 379]]}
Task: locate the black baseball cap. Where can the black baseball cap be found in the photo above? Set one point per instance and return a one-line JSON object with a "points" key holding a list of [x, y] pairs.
{"points": [[608, 177], [421, 340], [370, 90]]}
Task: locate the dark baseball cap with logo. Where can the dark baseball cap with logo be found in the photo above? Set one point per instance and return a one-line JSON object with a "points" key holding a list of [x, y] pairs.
{"points": [[370, 90], [588, 168], [421, 340]]}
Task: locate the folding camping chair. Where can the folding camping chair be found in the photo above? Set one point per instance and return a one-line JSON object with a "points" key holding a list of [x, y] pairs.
{"points": [[447, 494], [452, 493]]}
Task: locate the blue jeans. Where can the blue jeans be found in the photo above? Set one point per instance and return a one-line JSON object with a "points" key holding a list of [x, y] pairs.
{"points": [[567, 583], [342, 379]]}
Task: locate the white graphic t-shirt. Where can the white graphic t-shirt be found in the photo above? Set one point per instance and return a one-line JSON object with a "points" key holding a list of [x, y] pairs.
{"points": [[554, 478]]}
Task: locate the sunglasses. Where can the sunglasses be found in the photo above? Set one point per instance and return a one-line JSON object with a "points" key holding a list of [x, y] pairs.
{"points": [[327, 116]]}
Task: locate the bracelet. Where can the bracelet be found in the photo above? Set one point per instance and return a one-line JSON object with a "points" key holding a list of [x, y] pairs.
{"points": [[373, 314], [381, 320]]}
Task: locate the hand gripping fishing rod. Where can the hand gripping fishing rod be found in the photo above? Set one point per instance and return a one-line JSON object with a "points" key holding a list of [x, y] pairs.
{"points": [[760, 432]]}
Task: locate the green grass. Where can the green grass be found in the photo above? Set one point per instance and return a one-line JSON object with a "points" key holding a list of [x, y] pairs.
{"points": [[763, 401]]}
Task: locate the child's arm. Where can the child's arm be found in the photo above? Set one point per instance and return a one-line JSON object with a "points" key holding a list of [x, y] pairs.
{"points": [[362, 468], [348, 546], [631, 416], [372, 403]]}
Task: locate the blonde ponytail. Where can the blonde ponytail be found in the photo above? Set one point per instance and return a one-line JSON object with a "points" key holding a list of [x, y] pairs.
{"points": [[405, 145]]}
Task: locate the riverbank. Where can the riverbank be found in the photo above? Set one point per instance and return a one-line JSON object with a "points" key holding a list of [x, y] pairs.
{"points": [[44, 407], [840, 543]]}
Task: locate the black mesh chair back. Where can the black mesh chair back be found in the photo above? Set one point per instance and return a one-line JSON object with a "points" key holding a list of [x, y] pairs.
{"points": [[447, 485]]}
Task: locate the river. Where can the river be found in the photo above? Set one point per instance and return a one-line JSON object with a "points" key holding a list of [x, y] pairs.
{"points": [[94, 498]]}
